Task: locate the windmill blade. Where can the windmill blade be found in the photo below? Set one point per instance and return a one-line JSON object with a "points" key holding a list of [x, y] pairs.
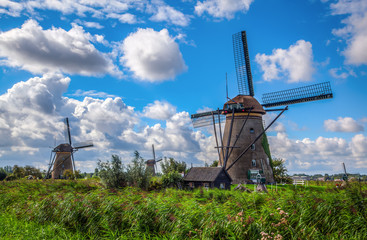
{"points": [[160, 159], [68, 130], [242, 64], [51, 163], [153, 152], [298, 95], [206, 118], [83, 144]]}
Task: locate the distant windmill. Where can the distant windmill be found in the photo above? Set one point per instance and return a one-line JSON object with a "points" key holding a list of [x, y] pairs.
{"points": [[151, 163], [62, 156], [345, 176], [242, 151]]}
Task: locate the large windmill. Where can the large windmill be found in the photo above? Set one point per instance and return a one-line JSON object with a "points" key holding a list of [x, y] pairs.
{"points": [[243, 150], [152, 163], [62, 156]]}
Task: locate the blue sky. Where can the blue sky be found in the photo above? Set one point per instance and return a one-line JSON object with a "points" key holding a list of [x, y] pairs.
{"points": [[128, 74]]}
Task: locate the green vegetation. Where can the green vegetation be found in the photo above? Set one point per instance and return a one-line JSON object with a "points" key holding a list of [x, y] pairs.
{"points": [[280, 171], [84, 209]]}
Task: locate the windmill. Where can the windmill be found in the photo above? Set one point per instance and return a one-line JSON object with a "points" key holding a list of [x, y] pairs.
{"points": [[151, 163], [345, 176], [243, 149], [62, 156]]}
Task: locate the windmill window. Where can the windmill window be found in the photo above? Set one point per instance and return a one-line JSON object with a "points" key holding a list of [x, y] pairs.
{"points": [[267, 160], [222, 185], [191, 184], [252, 130], [253, 147], [206, 185], [253, 162]]}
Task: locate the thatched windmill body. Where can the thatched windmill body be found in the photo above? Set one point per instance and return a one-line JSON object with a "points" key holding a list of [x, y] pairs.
{"points": [[62, 156], [243, 149]]}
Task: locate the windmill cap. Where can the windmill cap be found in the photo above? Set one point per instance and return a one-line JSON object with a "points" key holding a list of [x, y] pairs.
{"points": [[247, 102], [65, 147]]}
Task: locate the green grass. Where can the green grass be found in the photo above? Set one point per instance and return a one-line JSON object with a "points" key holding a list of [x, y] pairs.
{"points": [[83, 209]]}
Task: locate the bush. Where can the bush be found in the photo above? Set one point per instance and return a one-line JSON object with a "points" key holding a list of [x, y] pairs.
{"points": [[3, 174], [112, 173], [155, 183], [172, 179], [137, 173]]}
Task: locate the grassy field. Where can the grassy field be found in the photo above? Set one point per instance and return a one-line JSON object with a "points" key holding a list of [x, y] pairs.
{"points": [[83, 209]]}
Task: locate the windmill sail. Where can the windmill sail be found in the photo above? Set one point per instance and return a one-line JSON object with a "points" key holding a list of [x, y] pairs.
{"points": [[83, 145], [298, 95], [206, 118], [242, 64]]}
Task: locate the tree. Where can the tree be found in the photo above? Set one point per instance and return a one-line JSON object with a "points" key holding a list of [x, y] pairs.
{"points": [[171, 165], [3, 174], [18, 172], [280, 171], [137, 173], [112, 173], [214, 164]]}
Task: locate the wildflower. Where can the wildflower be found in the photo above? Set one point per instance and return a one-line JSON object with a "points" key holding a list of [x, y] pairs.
{"points": [[271, 214], [278, 208], [278, 237], [240, 213]]}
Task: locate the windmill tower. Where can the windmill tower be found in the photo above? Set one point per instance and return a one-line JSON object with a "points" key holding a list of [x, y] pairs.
{"points": [[243, 150], [151, 163], [62, 157]]}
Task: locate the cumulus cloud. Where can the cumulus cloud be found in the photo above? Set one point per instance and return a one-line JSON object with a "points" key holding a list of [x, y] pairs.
{"points": [[53, 50], [355, 30], [294, 63], [222, 8], [346, 124], [152, 56], [28, 110], [31, 114], [320, 155], [165, 13], [161, 110], [359, 145]]}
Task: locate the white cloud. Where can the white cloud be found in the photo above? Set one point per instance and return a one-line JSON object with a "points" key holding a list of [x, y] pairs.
{"points": [[32, 112], [124, 18], [222, 8], [41, 51], [323, 155], [10, 8], [346, 124], [355, 30], [29, 109], [152, 56], [340, 74], [92, 93], [169, 14], [116, 9], [160, 110], [92, 25], [359, 145], [294, 63]]}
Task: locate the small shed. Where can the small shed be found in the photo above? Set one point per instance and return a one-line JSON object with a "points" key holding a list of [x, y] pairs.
{"points": [[208, 177]]}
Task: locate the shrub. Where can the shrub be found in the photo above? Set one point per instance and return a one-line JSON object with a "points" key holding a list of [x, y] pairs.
{"points": [[112, 173], [172, 179], [3, 174], [155, 183]]}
